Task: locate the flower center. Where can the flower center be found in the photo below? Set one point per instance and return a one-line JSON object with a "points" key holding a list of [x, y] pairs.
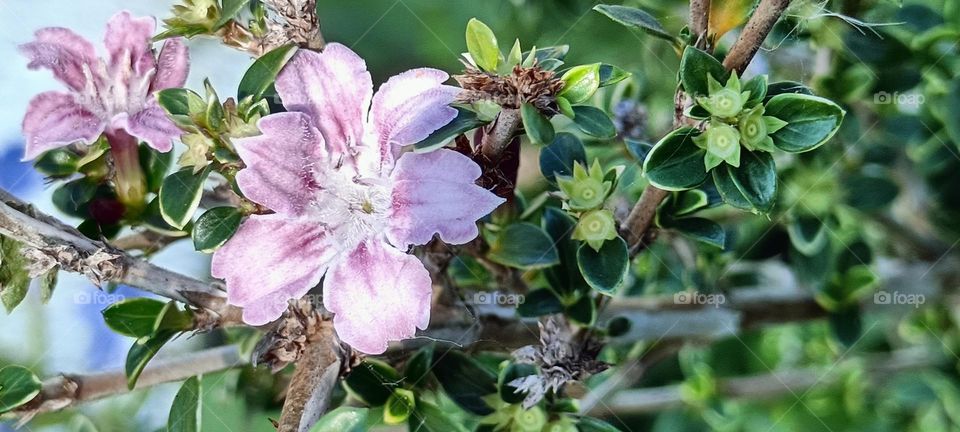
{"points": [[353, 208]]}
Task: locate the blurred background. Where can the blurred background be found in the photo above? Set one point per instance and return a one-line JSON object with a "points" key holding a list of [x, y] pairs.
{"points": [[878, 48]]}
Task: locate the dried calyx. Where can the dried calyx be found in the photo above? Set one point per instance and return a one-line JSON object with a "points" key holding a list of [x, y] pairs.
{"points": [[525, 84]]}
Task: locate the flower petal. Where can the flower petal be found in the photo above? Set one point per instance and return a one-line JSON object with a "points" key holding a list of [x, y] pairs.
{"points": [[436, 193], [173, 64], [281, 163], [128, 42], [378, 294], [270, 260], [151, 125], [54, 120], [63, 52], [333, 88], [411, 105]]}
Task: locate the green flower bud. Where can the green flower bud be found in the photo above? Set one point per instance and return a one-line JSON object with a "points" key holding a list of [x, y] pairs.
{"points": [[564, 424], [584, 190], [722, 143], [755, 129], [724, 101], [530, 420], [595, 227]]}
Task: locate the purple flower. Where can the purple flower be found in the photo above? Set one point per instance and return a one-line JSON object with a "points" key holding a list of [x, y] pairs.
{"points": [[348, 204], [112, 95]]}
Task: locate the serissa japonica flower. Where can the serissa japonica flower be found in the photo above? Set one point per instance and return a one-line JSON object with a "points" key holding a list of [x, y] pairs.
{"points": [[112, 95], [347, 203]]}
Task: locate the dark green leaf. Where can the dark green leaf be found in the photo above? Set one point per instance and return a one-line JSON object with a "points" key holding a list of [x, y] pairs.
{"points": [[757, 86], [259, 78], [870, 192], [74, 196], [229, 10], [524, 246], [695, 65], [372, 381], [155, 166], [618, 326], [846, 325], [610, 74], [134, 317], [14, 279], [430, 418], [584, 311], [605, 269], [180, 195], [785, 87], [214, 227], [590, 424], [593, 121], [676, 163], [187, 406], [60, 162], [539, 302], [153, 220], [700, 229], [181, 104], [17, 386], [465, 381], [418, 367], [638, 149], [558, 157], [565, 278], [808, 234], [343, 419], [536, 125], [142, 352], [635, 18], [811, 121], [466, 120], [752, 186]]}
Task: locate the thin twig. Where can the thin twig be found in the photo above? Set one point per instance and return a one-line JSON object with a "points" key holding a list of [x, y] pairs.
{"points": [[767, 14], [498, 136], [308, 395], [699, 21]]}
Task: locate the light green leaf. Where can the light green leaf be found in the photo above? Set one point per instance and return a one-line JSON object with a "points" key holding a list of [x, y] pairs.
{"points": [[399, 406], [482, 45], [187, 407], [14, 280], [17, 386], [580, 82], [536, 125], [636, 18], [343, 419]]}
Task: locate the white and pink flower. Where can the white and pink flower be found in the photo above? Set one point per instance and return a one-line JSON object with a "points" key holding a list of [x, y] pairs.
{"points": [[112, 95], [348, 204]]}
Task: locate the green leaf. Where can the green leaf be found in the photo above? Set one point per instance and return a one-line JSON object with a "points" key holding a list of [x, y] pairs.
{"points": [[17, 386], [180, 195], [48, 282], [14, 280], [74, 196], [508, 393], [142, 352], [695, 66], [82, 423], [418, 367], [636, 18], [134, 317], [214, 227], [181, 105], [676, 162], [565, 278], [688, 202], [372, 381], [430, 418], [700, 229], [153, 220], [870, 192], [399, 407], [752, 186], [539, 302], [465, 381], [229, 10], [593, 121], [811, 121], [155, 166], [619, 326], [343, 419], [482, 45], [59, 162], [590, 424], [785, 87], [258, 80], [524, 246], [846, 325], [580, 82], [558, 157], [584, 311], [757, 86], [536, 125], [808, 234], [610, 74], [186, 408], [604, 270], [465, 121]]}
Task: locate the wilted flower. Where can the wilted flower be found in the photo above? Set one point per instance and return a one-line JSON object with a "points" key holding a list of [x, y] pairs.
{"points": [[347, 203], [112, 95]]}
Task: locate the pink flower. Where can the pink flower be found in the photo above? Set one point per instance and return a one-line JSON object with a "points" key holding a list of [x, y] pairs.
{"points": [[113, 95], [348, 204]]}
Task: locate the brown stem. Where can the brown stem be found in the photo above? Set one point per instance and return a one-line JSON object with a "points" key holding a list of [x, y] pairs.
{"points": [[754, 33], [64, 391], [699, 21], [498, 137], [315, 376], [642, 215]]}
